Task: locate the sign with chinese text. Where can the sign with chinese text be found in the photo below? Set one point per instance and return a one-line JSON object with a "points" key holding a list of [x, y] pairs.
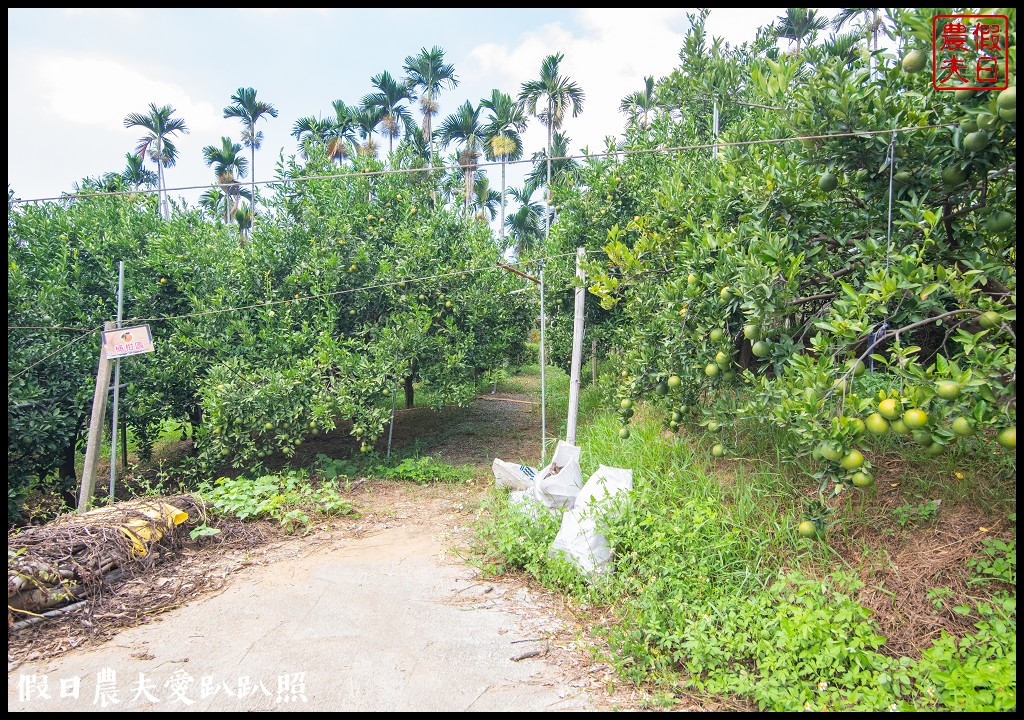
{"points": [[127, 341], [970, 52]]}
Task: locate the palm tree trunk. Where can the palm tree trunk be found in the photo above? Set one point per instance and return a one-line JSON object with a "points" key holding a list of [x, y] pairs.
{"points": [[547, 200], [503, 202], [252, 168], [163, 192]]}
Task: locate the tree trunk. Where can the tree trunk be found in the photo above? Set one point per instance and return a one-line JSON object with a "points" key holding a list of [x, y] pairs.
{"points": [[503, 158], [408, 392], [195, 419], [69, 493]]}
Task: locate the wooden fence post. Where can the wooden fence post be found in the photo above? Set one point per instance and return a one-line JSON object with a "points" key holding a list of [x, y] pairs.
{"points": [[99, 408]]}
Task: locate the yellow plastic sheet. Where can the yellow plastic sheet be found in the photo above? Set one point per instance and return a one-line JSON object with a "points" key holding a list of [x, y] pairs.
{"points": [[143, 532]]}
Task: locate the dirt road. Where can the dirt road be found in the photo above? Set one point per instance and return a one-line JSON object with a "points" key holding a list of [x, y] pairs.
{"points": [[376, 613]]}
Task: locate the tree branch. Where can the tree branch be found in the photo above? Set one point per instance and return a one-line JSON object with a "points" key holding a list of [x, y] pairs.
{"points": [[849, 270], [812, 298], [921, 323]]}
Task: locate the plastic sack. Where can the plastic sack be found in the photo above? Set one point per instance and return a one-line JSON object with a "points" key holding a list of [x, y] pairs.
{"points": [[578, 536], [558, 484], [523, 502], [512, 476]]}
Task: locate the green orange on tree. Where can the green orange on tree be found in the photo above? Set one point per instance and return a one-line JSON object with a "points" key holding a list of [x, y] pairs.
{"points": [[1000, 221], [718, 450], [899, 427], [975, 142], [986, 121], [915, 418], [963, 427], [953, 176], [674, 382], [989, 319], [1007, 437], [807, 529], [947, 389], [830, 452], [1007, 99], [863, 479], [857, 425], [915, 61], [876, 424], [852, 460], [890, 409]]}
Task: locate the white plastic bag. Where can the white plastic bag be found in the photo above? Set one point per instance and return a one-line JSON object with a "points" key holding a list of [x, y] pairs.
{"points": [[523, 502], [578, 536], [512, 476], [604, 483], [558, 484]]}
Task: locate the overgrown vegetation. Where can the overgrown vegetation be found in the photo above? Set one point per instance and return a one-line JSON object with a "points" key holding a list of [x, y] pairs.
{"points": [[810, 333], [714, 593], [853, 382], [316, 319]]}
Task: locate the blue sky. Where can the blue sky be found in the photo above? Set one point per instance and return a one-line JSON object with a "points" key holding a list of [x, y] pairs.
{"points": [[73, 74]]}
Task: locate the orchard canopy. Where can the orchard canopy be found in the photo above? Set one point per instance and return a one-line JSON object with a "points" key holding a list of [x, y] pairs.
{"points": [[800, 283], [347, 291], [816, 240]]}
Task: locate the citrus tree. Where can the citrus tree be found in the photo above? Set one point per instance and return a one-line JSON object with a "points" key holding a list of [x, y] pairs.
{"points": [[349, 287], [861, 275]]}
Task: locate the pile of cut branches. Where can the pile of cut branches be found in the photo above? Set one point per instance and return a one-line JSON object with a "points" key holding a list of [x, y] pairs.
{"points": [[77, 558]]}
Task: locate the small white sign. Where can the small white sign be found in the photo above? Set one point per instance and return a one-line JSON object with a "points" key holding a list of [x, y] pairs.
{"points": [[127, 341]]}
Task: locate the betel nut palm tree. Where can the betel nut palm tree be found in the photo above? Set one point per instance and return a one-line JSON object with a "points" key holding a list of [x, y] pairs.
{"points": [[427, 75], [463, 126], [389, 100], [502, 135], [229, 164], [249, 110], [156, 144], [638, 105], [800, 25], [549, 98]]}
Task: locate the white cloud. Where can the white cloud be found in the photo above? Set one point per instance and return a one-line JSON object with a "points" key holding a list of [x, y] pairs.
{"points": [[129, 14], [99, 92], [608, 60]]}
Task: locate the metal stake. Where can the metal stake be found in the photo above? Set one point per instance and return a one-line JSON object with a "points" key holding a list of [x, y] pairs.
{"points": [[117, 384]]}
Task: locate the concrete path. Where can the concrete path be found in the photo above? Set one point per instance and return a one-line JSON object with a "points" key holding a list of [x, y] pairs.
{"points": [[378, 623]]}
